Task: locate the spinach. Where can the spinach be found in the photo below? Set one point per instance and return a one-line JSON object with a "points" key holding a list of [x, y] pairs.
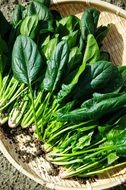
{"points": [[26, 64], [94, 109], [122, 71], [89, 22], [83, 141], [49, 48], [5, 27], [118, 136], [29, 26], [45, 2], [104, 56], [71, 39], [75, 59], [101, 33], [92, 52], [17, 15], [56, 67], [26, 60], [70, 22], [90, 56], [3, 59], [36, 8], [56, 15], [46, 26]]}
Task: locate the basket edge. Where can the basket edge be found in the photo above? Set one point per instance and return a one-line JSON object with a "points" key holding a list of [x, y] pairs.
{"points": [[113, 8]]}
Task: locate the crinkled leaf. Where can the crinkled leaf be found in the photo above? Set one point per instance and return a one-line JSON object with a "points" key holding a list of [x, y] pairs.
{"points": [[96, 78], [93, 109], [84, 141]]}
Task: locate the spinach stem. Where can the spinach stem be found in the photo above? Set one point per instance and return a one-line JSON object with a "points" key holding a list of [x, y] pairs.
{"points": [[33, 106]]}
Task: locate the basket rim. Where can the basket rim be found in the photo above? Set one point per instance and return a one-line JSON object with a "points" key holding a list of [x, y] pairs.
{"points": [[113, 8], [119, 12]]}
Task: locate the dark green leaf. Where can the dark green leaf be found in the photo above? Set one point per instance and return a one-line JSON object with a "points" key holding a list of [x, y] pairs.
{"points": [[89, 22], [101, 33], [56, 66], [122, 70], [75, 59], [90, 56], [95, 79], [4, 26], [56, 15], [36, 8], [71, 39], [95, 108], [17, 15], [45, 2], [26, 60], [46, 26], [105, 56]]}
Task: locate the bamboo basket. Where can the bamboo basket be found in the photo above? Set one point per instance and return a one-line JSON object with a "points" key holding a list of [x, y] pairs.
{"points": [[115, 43]]}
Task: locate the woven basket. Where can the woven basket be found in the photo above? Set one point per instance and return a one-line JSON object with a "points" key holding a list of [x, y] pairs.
{"points": [[37, 168]]}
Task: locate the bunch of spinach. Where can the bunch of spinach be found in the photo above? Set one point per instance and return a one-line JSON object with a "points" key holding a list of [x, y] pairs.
{"points": [[55, 78]]}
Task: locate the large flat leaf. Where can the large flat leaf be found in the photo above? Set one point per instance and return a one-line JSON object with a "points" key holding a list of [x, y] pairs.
{"points": [[56, 66], [26, 60]]}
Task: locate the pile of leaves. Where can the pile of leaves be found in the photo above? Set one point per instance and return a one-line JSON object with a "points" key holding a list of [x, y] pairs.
{"points": [[55, 78]]}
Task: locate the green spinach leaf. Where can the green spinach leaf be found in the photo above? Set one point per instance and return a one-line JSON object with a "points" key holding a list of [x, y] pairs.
{"points": [[49, 48], [29, 26], [56, 67], [93, 109], [26, 60], [36, 8], [89, 22], [45, 2], [17, 15]]}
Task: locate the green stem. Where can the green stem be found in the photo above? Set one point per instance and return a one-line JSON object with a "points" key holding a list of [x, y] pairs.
{"points": [[27, 117], [18, 93], [112, 147], [33, 106], [1, 81], [82, 169], [102, 170], [70, 128]]}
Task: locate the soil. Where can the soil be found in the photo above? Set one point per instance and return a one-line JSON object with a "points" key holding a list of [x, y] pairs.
{"points": [[10, 178]]}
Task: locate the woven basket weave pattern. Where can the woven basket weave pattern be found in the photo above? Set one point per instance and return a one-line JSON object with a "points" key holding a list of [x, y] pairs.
{"points": [[115, 44]]}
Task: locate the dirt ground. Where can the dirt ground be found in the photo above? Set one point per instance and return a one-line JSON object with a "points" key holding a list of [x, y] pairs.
{"points": [[10, 178]]}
